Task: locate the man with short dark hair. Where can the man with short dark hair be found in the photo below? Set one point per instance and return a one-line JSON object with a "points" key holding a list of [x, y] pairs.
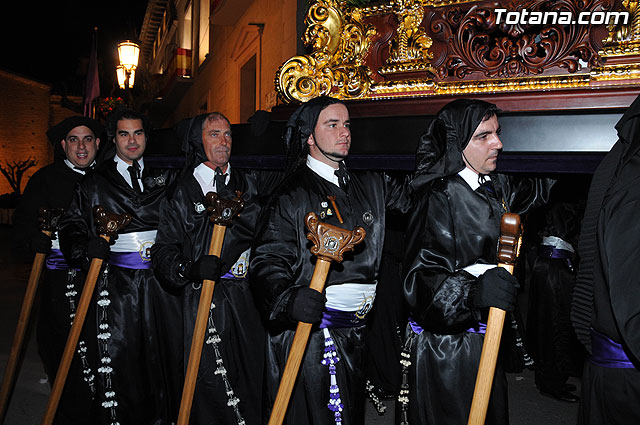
{"points": [[330, 386], [229, 385], [133, 362], [450, 270], [75, 143]]}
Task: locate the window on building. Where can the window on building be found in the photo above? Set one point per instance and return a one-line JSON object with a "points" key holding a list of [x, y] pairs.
{"points": [[248, 89], [185, 39], [203, 38]]}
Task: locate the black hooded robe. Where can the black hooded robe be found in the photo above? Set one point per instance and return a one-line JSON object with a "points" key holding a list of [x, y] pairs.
{"points": [[281, 262], [133, 354], [451, 228], [552, 341], [52, 187], [606, 299], [185, 233]]}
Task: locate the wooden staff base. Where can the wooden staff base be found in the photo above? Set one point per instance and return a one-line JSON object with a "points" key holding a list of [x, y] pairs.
{"points": [[8, 380], [296, 353], [197, 341], [72, 340]]}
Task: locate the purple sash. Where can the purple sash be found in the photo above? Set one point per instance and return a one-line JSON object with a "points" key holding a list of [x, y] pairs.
{"points": [[229, 275], [332, 318], [481, 328], [558, 253], [129, 260], [55, 260], [608, 353]]}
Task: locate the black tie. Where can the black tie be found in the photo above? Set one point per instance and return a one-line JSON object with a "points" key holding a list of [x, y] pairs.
{"points": [[486, 186], [221, 179], [134, 172], [343, 176]]}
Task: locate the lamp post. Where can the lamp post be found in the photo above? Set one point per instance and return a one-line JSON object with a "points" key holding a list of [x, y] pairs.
{"points": [[128, 53]]}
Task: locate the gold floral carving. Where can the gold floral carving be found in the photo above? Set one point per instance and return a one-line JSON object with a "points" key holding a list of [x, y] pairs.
{"points": [[480, 56], [409, 49], [339, 42]]}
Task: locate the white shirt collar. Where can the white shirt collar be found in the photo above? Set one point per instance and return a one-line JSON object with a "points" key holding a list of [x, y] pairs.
{"points": [[205, 176], [325, 171], [77, 170], [471, 177], [123, 168]]}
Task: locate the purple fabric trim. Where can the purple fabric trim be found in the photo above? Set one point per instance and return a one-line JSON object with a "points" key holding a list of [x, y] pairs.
{"points": [[332, 318], [55, 260], [481, 328], [129, 260], [552, 252], [229, 275], [608, 353]]}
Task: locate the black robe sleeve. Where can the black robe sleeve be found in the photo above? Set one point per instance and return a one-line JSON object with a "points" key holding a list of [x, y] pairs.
{"points": [[622, 267], [438, 295], [166, 253], [397, 193], [74, 230], [274, 259]]}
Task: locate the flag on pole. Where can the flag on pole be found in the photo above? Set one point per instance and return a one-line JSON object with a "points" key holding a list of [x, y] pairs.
{"points": [[92, 87]]}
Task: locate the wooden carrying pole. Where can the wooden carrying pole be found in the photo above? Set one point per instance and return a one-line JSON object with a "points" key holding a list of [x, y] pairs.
{"points": [[108, 226], [508, 247], [48, 219], [330, 242], [221, 212]]}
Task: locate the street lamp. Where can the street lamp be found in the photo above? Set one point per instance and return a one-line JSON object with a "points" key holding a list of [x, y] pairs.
{"points": [[128, 52]]}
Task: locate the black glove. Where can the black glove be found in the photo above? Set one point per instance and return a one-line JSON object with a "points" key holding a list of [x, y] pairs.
{"points": [[497, 288], [207, 267], [40, 243], [98, 248], [306, 305]]}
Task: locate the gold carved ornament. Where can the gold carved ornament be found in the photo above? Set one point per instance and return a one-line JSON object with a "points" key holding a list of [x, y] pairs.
{"points": [[339, 42]]}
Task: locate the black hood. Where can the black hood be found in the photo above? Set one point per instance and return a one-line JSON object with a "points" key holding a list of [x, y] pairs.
{"points": [[300, 126], [189, 133], [628, 129], [439, 151]]}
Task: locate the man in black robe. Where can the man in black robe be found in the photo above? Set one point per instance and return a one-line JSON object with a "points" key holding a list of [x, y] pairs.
{"points": [[130, 306], [606, 301], [229, 385], [551, 340], [75, 143], [450, 270], [318, 139]]}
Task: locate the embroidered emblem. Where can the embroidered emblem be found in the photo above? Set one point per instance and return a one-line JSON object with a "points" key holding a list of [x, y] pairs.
{"points": [[145, 250], [199, 207], [329, 212], [324, 204], [367, 218], [241, 267], [323, 214], [160, 180], [365, 307]]}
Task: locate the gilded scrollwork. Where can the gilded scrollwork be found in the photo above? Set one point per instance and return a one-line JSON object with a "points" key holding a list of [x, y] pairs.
{"points": [[339, 42], [409, 49], [423, 48], [624, 37]]}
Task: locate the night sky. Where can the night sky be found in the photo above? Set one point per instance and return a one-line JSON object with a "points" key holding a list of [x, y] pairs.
{"points": [[51, 41]]}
